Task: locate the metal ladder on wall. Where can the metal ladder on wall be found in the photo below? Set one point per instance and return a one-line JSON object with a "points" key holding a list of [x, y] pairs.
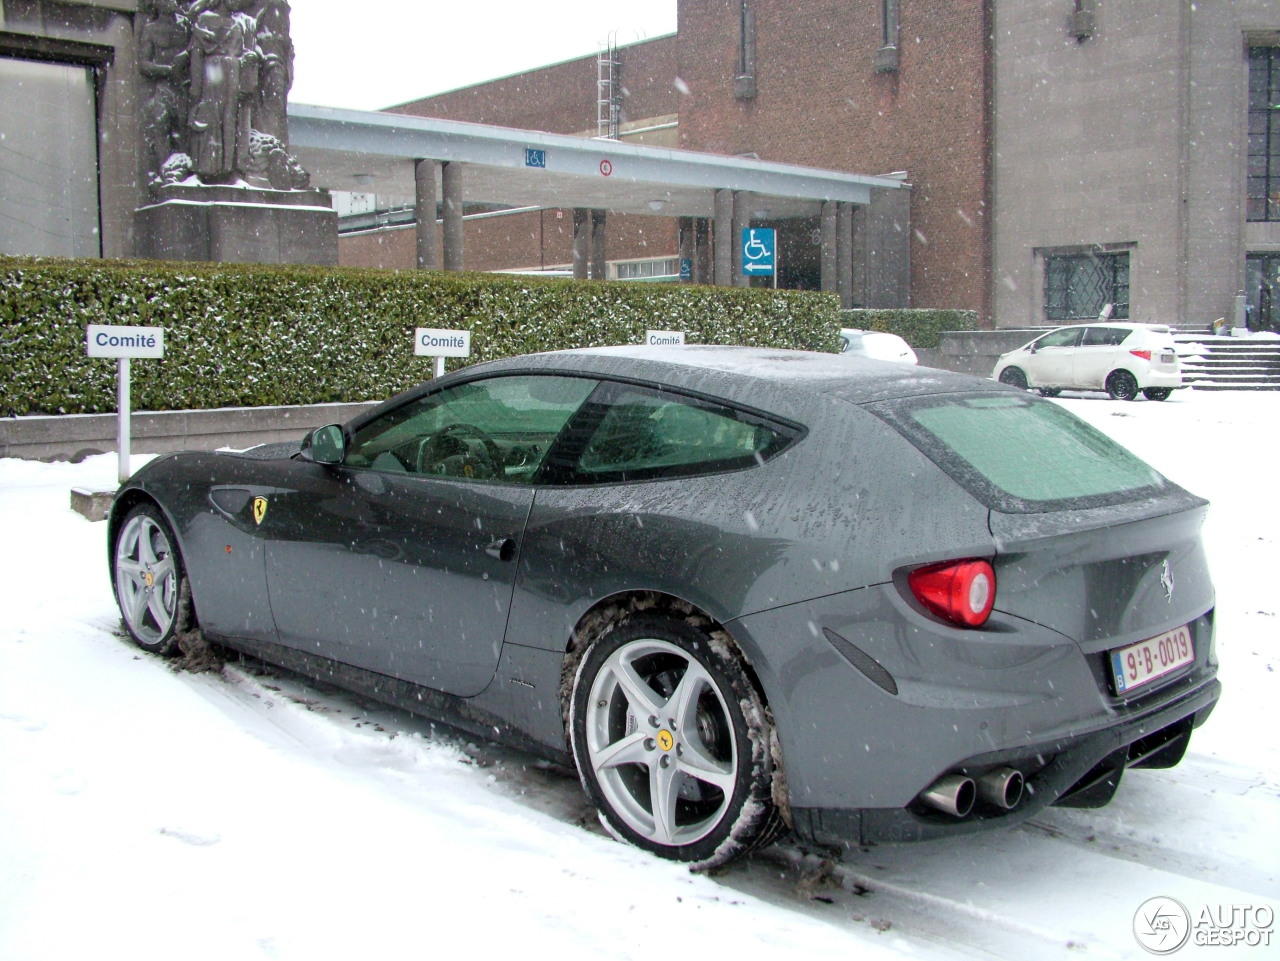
{"points": [[608, 90]]}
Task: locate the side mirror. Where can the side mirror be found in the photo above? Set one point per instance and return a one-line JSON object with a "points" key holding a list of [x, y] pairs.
{"points": [[326, 445]]}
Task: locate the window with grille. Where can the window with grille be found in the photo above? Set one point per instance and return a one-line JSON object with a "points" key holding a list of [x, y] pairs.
{"points": [[744, 80], [1264, 133], [1079, 285], [660, 268]]}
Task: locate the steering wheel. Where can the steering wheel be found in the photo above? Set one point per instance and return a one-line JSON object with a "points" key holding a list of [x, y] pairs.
{"points": [[482, 459]]}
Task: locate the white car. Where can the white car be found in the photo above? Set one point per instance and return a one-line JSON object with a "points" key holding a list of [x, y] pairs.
{"points": [[876, 345], [1120, 358]]}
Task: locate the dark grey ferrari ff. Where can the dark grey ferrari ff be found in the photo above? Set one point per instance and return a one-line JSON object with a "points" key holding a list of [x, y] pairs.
{"points": [[743, 591]]}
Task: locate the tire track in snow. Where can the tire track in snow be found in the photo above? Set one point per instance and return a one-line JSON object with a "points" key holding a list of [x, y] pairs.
{"points": [[1065, 884]]}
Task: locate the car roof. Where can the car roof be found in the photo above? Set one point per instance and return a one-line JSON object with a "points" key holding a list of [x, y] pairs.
{"points": [[1125, 324], [739, 371], [867, 333]]}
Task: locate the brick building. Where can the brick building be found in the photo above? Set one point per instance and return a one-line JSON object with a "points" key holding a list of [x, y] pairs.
{"points": [[808, 85]]}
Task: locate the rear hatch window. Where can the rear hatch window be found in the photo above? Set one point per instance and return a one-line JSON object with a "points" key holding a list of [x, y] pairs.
{"points": [[1019, 454]]}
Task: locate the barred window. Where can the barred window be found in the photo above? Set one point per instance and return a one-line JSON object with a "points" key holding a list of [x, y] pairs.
{"points": [[658, 268], [1264, 134], [1078, 286]]}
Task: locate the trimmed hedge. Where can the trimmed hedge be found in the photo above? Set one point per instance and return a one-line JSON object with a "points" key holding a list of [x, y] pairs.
{"points": [[919, 328], [252, 335]]}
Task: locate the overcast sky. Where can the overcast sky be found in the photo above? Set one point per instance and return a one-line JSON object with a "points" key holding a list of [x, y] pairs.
{"points": [[371, 54]]}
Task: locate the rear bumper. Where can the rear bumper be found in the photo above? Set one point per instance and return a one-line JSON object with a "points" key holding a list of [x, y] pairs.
{"points": [[1160, 378], [1081, 771]]}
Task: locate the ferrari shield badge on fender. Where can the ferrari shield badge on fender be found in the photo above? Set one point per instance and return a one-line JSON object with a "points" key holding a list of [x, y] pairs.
{"points": [[259, 509]]}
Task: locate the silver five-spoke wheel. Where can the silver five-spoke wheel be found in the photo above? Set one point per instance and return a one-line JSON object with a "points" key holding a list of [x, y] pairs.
{"points": [[671, 740], [148, 576]]}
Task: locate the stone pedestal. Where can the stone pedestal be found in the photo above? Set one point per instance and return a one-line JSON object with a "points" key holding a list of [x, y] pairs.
{"points": [[238, 225]]}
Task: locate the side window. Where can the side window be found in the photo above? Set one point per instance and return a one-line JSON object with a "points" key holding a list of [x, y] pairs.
{"points": [[1067, 337], [495, 429], [1104, 336], [636, 433]]}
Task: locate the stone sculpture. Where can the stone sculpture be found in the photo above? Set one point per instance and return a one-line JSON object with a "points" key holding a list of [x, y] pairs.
{"points": [[276, 76], [218, 75], [164, 62]]}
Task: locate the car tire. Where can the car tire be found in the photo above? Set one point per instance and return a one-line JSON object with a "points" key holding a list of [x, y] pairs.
{"points": [[1157, 393], [1122, 385], [147, 575], [661, 708], [1014, 377], [1049, 391]]}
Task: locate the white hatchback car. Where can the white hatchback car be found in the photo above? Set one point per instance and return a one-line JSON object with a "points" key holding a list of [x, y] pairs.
{"points": [[1120, 358], [876, 345]]}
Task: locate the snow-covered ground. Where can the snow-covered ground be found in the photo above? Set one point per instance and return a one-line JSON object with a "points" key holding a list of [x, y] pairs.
{"points": [[149, 814]]}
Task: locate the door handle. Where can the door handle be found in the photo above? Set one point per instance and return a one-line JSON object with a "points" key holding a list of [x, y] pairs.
{"points": [[503, 550]]}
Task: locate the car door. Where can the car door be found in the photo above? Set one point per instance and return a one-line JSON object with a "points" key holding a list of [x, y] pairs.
{"points": [[1049, 363], [625, 503], [1097, 356], [401, 559]]}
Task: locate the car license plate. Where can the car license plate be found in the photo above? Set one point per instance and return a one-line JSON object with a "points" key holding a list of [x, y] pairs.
{"points": [[1166, 358], [1142, 663]]}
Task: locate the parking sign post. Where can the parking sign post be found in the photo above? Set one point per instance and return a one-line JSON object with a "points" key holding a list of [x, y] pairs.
{"points": [[124, 439], [430, 342], [123, 343], [760, 253]]}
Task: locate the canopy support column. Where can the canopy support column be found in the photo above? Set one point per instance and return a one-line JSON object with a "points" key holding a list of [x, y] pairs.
{"points": [[424, 212], [451, 188], [722, 273]]}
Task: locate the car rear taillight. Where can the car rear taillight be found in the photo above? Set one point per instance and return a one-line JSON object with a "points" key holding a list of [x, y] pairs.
{"points": [[961, 592], [1144, 354]]}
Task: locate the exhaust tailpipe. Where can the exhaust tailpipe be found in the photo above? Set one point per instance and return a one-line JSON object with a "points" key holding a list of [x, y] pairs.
{"points": [[1001, 788], [953, 794]]}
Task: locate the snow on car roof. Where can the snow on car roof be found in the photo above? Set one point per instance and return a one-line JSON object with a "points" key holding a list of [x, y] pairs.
{"points": [[726, 369]]}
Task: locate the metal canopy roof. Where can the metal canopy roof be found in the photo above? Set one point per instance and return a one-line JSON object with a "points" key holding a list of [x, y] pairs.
{"points": [[370, 152]]}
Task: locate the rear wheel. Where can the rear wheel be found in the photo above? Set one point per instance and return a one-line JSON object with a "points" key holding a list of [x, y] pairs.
{"points": [[671, 740], [1014, 377], [1157, 393], [147, 573], [1122, 385]]}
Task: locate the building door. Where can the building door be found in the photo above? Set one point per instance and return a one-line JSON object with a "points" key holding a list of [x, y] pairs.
{"points": [[1261, 288], [48, 160]]}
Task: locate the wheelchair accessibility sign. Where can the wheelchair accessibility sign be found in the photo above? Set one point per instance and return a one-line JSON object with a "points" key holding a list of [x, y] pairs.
{"points": [[759, 251]]}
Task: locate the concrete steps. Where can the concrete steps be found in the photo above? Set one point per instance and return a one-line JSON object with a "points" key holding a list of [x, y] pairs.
{"points": [[1228, 363]]}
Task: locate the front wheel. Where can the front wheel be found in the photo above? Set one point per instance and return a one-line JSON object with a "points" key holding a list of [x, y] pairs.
{"points": [[147, 573], [672, 741], [1014, 377], [1049, 391], [1157, 393], [1122, 385]]}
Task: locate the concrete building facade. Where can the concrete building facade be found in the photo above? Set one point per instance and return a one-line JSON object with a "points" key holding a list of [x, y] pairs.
{"points": [[68, 79], [1121, 155], [86, 125]]}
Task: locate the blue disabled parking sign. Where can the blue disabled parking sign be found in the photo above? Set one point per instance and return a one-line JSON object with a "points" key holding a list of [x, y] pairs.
{"points": [[759, 251]]}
